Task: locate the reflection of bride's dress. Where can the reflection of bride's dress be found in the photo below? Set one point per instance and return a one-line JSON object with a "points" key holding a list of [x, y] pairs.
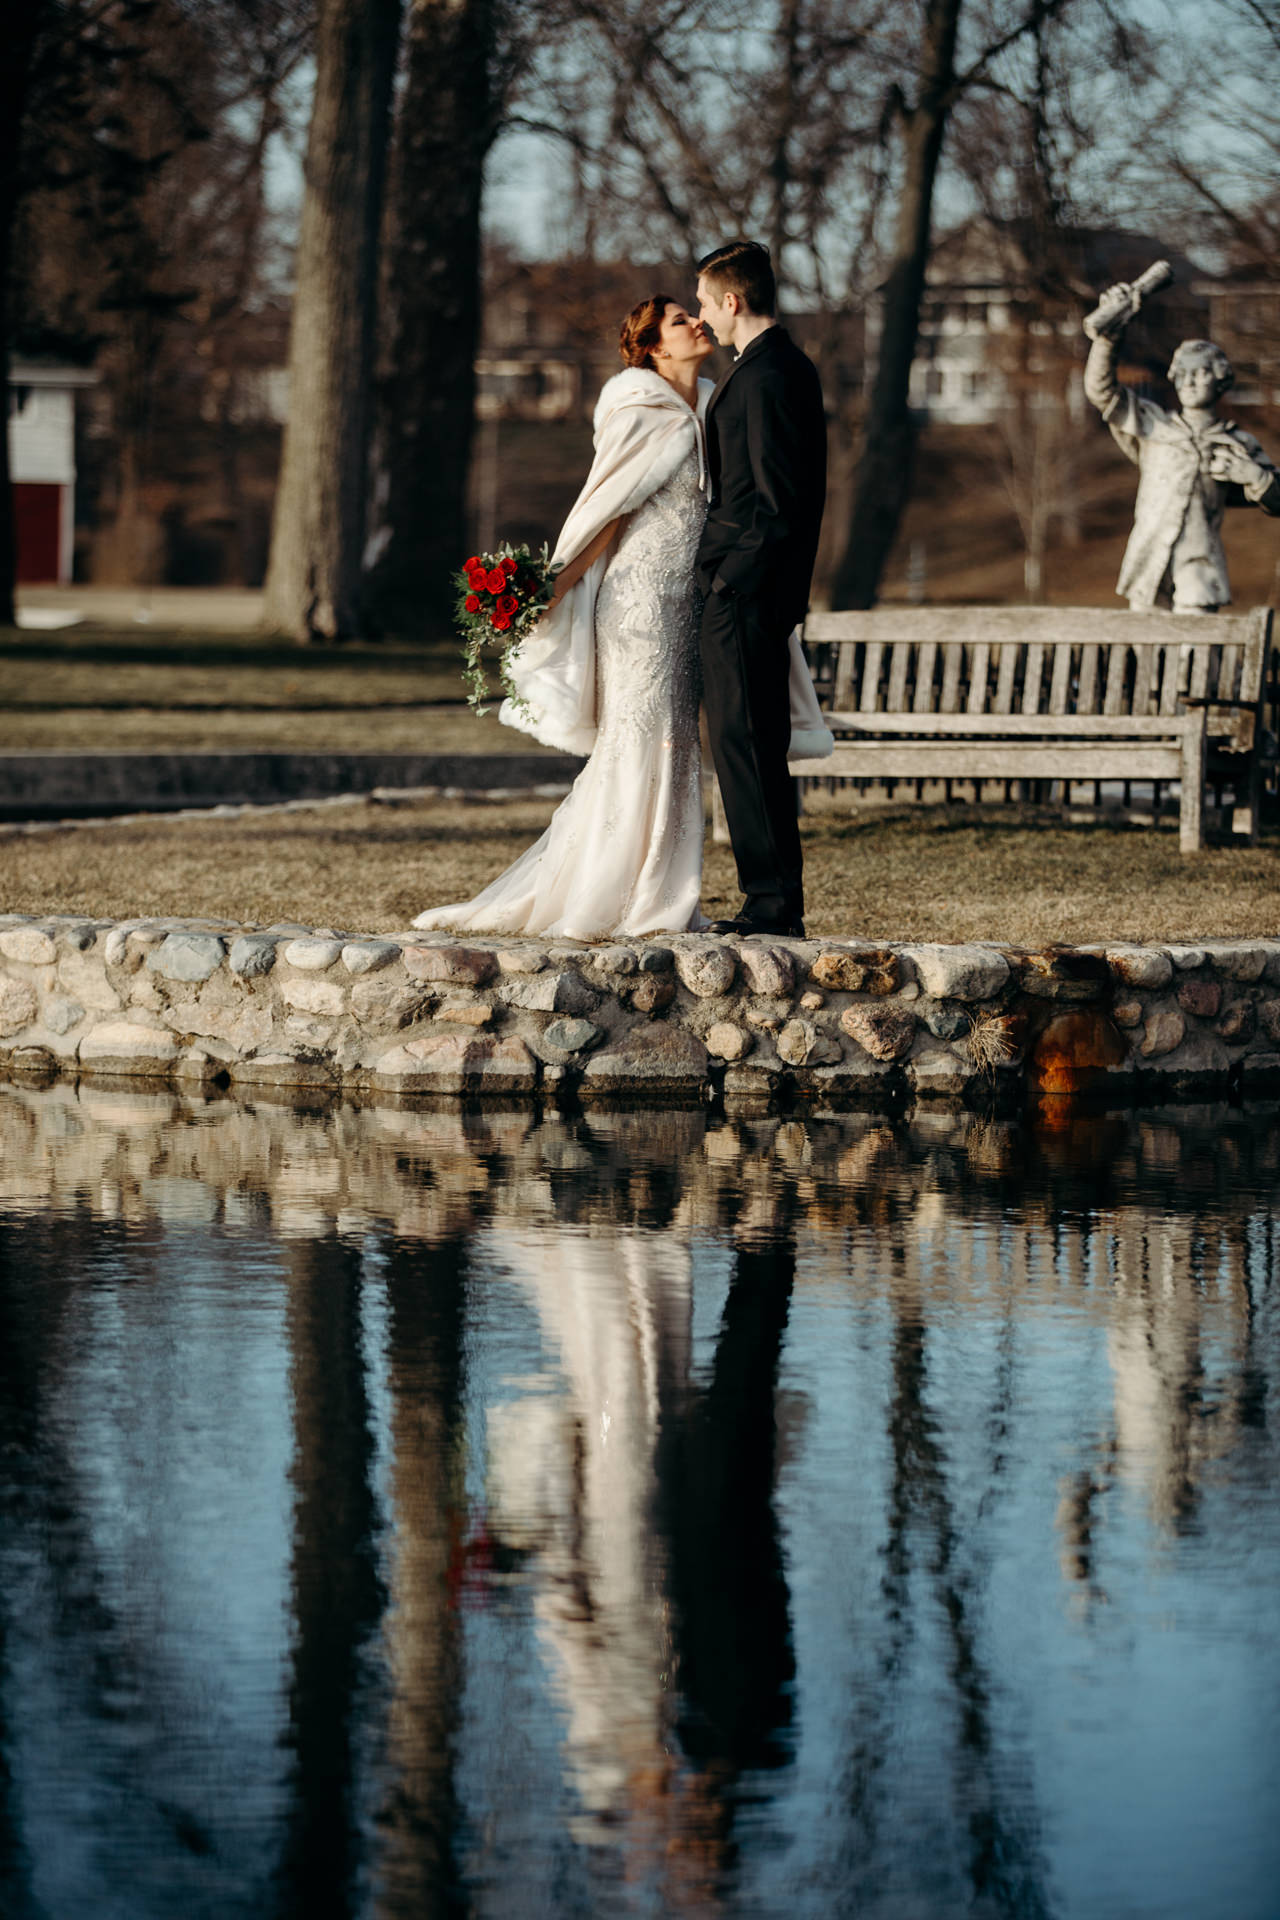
{"points": [[623, 853], [572, 1475]]}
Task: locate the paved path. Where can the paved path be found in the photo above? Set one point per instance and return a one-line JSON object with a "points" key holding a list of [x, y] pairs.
{"points": [[222, 608]]}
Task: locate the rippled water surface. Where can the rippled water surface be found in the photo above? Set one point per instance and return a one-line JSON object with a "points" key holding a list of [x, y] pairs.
{"points": [[409, 1513]]}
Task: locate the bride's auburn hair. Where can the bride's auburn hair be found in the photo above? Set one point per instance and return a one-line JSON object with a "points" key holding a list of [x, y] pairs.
{"points": [[642, 329]]}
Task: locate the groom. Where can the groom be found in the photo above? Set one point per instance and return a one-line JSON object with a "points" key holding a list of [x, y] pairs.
{"points": [[767, 454]]}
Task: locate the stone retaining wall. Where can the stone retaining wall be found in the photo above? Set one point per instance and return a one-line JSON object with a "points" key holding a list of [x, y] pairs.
{"points": [[849, 1022]]}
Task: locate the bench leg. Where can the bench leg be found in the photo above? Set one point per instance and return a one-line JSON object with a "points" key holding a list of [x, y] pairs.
{"points": [[1191, 804]]}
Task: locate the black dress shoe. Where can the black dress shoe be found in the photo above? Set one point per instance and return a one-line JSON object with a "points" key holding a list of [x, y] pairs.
{"points": [[743, 925]]}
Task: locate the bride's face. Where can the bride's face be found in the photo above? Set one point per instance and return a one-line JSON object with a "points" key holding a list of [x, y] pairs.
{"points": [[682, 341]]}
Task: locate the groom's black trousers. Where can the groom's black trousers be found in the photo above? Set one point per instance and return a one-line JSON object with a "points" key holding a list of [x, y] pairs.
{"points": [[746, 673]]}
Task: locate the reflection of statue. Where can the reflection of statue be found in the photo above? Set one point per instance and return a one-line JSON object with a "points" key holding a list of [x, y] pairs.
{"points": [[1193, 465]]}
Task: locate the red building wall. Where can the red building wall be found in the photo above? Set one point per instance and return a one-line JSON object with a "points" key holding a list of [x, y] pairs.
{"points": [[37, 513]]}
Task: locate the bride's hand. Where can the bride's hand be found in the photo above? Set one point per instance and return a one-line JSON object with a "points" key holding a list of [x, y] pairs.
{"points": [[570, 575]]}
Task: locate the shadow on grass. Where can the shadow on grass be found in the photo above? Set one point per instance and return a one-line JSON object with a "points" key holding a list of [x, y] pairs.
{"points": [[91, 645], [997, 820]]}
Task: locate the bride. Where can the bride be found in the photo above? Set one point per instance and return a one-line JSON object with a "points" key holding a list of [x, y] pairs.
{"points": [[611, 670]]}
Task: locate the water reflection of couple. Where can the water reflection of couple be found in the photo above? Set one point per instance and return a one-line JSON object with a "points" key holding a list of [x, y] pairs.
{"points": [[686, 567], [648, 1494]]}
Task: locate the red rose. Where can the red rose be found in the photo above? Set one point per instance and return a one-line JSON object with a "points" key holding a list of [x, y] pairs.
{"points": [[502, 623], [508, 565], [496, 580], [508, 605], [469, 566], [472, 603]]}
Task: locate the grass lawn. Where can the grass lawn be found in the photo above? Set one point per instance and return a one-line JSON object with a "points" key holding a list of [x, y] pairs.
{"points": [[166, 669], [909, 873], [102, 689]]}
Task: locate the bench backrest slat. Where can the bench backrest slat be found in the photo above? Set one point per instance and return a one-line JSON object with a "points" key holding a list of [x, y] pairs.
{"points": [[1145, 662], [1060, 682], [842, 691], [870, 698], [979, 672], [1252, 667], [1229, 673], [1005, 676], [1171, 658], [1115, 669], [1198, 682], [1087, 686], [899, 667], [952, 663], [926, 667], [1033, 670]]}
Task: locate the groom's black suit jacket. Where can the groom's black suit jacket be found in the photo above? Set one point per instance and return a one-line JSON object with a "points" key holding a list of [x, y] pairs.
{"points": [[767, 454]]}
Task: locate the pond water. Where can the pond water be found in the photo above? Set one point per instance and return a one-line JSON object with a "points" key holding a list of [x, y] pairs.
{"points": [[412, 1513]]}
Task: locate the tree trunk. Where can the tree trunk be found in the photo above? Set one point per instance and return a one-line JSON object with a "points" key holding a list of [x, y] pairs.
{"points": [[882, 481], [15, 72], [313, 581], [447, 120]]}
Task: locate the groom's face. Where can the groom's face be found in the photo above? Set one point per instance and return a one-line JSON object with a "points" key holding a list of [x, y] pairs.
{"points": [[713, 310]]}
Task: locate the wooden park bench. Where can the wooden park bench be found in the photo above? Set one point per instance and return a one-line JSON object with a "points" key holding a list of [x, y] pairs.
{"points": [[1029, 695]]}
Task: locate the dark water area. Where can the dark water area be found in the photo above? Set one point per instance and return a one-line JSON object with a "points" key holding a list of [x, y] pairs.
{"points": [[414, 1513]]}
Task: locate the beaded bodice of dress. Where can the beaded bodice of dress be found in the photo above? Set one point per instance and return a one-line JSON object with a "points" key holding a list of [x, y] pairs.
{"points": [[647, 613]]}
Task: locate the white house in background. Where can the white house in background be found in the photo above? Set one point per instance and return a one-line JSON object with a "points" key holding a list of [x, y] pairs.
{"points": [[1244, 319], [983, 288], [42, 465]]}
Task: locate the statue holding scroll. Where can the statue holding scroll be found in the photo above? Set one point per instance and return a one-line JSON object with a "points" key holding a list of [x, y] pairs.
{"points": [[1192, 464]]}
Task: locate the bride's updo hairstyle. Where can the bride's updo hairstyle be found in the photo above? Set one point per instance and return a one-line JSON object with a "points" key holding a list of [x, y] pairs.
{"points": [[642, 329]]}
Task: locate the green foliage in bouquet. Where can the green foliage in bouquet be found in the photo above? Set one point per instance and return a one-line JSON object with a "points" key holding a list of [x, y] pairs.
{"points": [[501, 598]]}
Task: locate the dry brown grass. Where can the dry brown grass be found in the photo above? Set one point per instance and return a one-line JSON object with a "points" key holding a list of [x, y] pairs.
{"points": [[100, 689], [98, 666], [903, 874]]}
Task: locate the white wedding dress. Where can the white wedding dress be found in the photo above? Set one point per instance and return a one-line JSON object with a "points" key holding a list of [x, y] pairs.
{"points": [[623, 852]]}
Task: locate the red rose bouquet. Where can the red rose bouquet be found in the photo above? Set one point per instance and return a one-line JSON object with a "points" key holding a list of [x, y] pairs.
{"points": [[501, 596]]}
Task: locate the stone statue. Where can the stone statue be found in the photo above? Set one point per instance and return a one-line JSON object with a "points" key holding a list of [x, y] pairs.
{"points": [[1193, 465]]}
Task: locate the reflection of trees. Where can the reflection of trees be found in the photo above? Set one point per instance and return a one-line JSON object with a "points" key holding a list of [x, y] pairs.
{"points": [[426, 1300], [1004, 1866], [21, 1365], [44, 1525], [337, 1595]]}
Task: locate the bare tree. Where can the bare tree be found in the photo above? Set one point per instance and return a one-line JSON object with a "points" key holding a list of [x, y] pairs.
{"points": [[459, 63], [14, 81], [313, 581], [692, 120], [883, 478]]}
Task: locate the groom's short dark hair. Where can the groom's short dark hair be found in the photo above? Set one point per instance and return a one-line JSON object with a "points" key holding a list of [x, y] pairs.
{"points": [[743, 267]]}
